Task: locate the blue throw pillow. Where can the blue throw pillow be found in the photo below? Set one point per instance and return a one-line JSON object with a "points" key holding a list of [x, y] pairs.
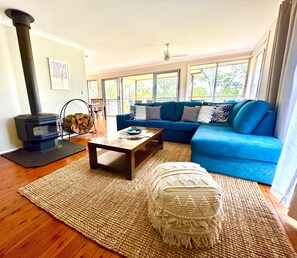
{"points": [[249, 116], [236, 109]]}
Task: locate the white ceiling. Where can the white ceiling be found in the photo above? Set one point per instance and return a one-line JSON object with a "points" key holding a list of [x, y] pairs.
{"points": [[120, 34]]}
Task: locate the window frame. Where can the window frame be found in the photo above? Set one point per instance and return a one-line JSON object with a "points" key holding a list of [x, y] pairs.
{"points": [[155, 86], [216, 65], [260, 50], [88, 89]]}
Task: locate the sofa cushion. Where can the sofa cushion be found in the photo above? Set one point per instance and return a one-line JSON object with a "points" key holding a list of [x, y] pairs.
{"points": [[216, 124], [133, 109], [153, 113], [132, 112], [129, 122], [249, 116], [190, 114], [179, 108], [236, 109], [221, 112], [184, 126], [167, 109], [140, 112], [165, 124], [223, 141], [205, 114], [266, 125]]}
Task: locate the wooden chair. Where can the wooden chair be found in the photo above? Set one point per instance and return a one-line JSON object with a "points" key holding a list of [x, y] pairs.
{"points": [[98, 107]]}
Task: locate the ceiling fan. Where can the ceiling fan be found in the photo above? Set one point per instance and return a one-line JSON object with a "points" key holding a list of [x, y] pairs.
{"points": [[166, 54]]}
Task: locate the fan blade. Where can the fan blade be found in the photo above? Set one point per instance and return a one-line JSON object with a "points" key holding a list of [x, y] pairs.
{"points": [[181, 55]]}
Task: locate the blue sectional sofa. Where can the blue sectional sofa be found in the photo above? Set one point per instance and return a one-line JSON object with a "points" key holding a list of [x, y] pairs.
{"points": [[171, 113], [243, 146]]}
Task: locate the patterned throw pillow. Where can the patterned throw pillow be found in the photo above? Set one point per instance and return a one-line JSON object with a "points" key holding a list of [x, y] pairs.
{"points": [[137, 112], [153, 113], [214, 113], [140, 113], [132, 112], [190, 114], [221, 113]]}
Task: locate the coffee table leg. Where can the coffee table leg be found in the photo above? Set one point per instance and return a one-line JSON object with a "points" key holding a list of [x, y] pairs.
{"points": [[130, 161], [161, 139], [92, 155]]}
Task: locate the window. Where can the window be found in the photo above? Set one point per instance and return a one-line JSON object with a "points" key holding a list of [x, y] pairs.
{"points": [[144, 88], [112, 95], [167, 86], [256, 80], [138, 88], [202, 82], [218, 81], [92, 90]]}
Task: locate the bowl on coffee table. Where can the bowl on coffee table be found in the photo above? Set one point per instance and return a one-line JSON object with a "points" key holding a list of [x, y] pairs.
{"points": [[134, 131]]}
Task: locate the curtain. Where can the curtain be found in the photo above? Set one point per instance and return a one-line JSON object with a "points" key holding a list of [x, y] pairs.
{"points": [[286, 172], [293, 206], [278, 51], [286, 126], [286, 93]]}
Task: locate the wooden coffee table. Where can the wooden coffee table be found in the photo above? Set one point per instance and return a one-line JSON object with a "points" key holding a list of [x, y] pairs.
{"points": [[124, 155]]}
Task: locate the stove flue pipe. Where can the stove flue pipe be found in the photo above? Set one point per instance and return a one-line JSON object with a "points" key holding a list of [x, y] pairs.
{"points": [[21, 21]]}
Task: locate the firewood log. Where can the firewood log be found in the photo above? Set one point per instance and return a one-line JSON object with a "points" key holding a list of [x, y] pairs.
{"points": [[78, 123]]}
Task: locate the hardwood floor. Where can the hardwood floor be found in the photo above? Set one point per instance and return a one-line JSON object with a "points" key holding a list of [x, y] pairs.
{"points": [[27, 231]]}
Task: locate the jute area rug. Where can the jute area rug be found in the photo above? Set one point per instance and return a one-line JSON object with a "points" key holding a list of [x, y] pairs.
{"points": [[112, 211]]}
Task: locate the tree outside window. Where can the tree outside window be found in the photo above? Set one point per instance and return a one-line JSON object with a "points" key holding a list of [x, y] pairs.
{"points": [[219, 81], [122, 92], [167, 84]]}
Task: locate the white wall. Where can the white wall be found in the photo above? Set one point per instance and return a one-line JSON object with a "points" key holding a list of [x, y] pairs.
{"points": [[13, 95]]}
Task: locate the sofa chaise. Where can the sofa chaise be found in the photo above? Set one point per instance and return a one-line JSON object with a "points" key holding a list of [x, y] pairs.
{"points": [[236, 139]]}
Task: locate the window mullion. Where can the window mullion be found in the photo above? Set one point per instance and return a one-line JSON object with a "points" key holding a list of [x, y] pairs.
{"points": [[192, 85], [154, 87], [215, 83]]}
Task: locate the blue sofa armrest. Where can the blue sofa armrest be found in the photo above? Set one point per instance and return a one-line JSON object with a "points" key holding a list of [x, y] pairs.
{"points": [[120, 120]]}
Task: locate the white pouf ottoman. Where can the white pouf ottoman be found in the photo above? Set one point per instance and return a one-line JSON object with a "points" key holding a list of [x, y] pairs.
{"points": [[185, 205]]}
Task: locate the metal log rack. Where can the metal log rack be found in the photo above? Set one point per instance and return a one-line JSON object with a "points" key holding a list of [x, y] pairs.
{"points": [[63, 113]]}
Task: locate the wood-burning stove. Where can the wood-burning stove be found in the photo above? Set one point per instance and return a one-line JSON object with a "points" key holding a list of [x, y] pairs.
{"points": [[38, 131]]}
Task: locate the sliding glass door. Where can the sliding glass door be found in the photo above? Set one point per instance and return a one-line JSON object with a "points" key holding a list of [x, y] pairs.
{"points": [[120, 93], [136, 89], [111, 91], [92, 90]]}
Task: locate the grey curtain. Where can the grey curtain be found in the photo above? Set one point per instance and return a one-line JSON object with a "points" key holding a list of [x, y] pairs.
{"points": [[286, 96], [285, 179], [279, 46]]}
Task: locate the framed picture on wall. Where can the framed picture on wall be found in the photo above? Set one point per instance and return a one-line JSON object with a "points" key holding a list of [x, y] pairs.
{"points": [[59, 74]]}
